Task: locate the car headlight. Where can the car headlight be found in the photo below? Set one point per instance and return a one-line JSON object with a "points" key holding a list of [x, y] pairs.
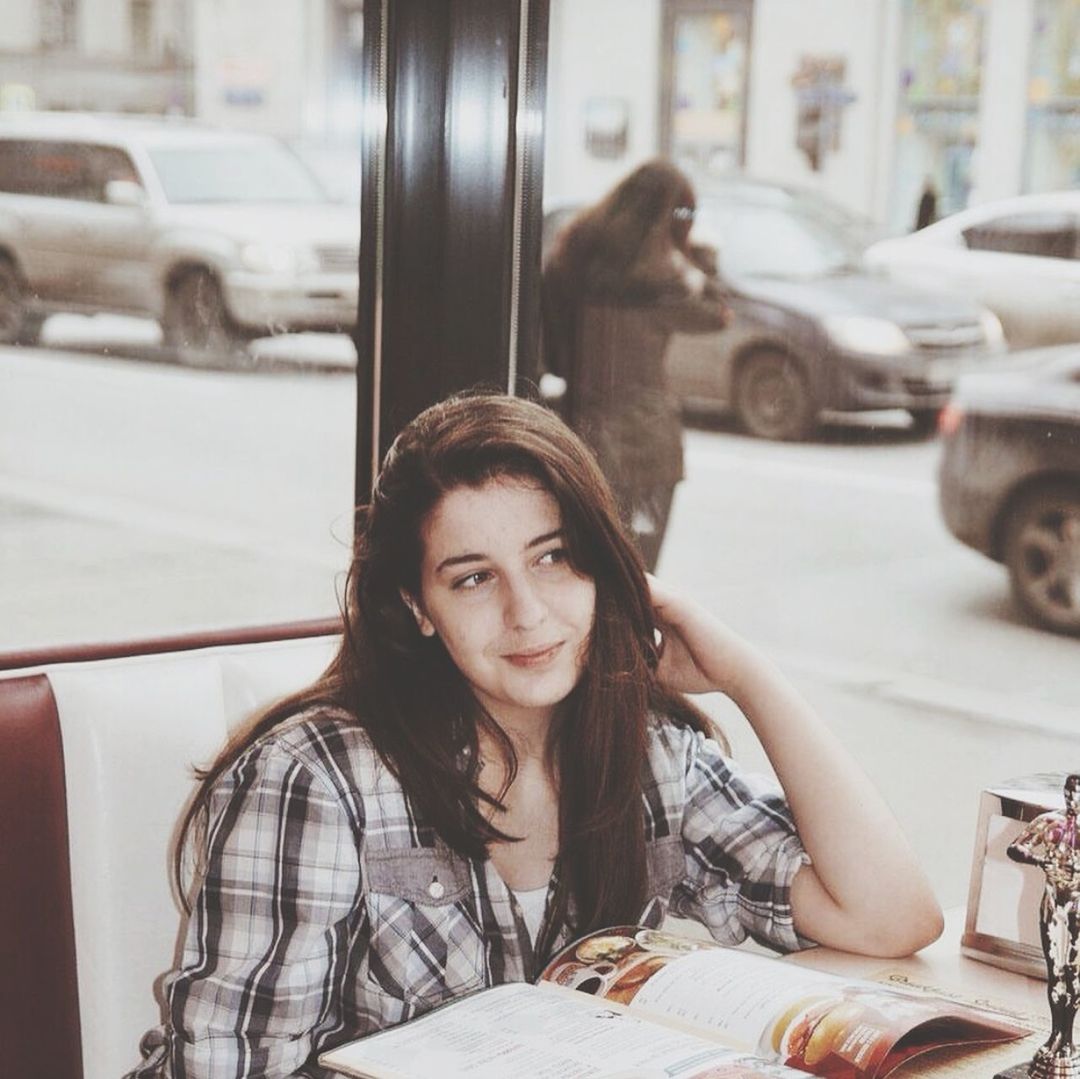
{"points": [[275, 258], [991, 328], [871, 336]]}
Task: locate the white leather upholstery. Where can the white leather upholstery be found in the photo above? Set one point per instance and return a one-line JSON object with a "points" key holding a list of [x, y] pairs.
{"points": [[132, 731]]}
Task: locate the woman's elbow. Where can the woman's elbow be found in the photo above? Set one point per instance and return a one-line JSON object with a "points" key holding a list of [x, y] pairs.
{"points": [[907, 931]]}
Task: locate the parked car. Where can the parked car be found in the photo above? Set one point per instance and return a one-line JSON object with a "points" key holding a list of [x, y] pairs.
{"points": [[1020, 257], [1010, 478], [221, 236], [812, 330]]}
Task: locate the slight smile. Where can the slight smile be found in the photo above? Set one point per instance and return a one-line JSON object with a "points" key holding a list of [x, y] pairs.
{"points": [[534, 657]]}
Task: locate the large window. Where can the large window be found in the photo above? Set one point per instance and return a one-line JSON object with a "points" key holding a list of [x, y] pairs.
{"points": [[829, 550], [177, 379], [179, 384]]}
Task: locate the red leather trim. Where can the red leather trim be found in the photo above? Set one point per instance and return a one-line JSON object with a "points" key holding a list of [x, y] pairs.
{"points": [[79, 653], [39, 996]]}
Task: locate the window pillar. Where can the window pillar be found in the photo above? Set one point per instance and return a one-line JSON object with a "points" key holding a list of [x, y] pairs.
{"points": [[451, 206]]}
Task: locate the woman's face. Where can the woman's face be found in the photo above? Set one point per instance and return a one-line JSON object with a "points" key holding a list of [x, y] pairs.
{"points": [[682, 220], [497, 586]]}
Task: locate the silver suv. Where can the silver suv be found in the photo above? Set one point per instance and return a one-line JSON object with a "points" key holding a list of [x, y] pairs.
{"points": [[220, 236]]}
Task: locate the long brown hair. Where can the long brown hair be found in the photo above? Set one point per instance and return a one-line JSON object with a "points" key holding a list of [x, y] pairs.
{"points": [[622, 248], [414, 704], [630, 249]]}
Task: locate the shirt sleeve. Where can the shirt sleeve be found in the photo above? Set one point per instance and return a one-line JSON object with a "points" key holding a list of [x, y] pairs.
{"points": [[268, 934], [742, 852], [695, 312]]}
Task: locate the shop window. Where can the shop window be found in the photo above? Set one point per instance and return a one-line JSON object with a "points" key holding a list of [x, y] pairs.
{"points": [[1052, 149], [57, 20], [142, 29], [942, 45], [705, 50]]}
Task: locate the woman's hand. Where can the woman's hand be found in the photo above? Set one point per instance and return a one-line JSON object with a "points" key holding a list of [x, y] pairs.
{"points": [[698, 653], [864, 890]]}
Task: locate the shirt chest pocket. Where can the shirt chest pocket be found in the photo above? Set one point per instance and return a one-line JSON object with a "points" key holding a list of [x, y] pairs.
{"points": [[666, 862], [427, 944]]}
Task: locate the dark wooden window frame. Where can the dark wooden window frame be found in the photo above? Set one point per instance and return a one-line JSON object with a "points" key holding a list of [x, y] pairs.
{"points": [[451, 207]]}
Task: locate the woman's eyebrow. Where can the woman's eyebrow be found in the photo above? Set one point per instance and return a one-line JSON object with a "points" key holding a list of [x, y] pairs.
{"points": [[457, 560], [461, 559], [545, 538]]}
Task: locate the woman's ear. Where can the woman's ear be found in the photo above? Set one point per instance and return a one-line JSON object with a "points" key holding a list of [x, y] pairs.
{"points": [[424, 623]]}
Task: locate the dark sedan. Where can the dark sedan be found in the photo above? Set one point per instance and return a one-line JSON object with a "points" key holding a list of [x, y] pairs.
{"points": [[1010, 478], [812, 331]]}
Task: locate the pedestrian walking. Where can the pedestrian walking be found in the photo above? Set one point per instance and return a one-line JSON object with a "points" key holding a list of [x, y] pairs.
{"points": [[621, 278]]}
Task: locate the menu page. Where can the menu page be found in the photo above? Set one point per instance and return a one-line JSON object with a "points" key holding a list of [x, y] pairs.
{"points": [[817, 1022], [545, 1034]]}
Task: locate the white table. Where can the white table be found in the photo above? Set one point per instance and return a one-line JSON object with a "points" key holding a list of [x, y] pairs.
{"points": [[943, 969]]}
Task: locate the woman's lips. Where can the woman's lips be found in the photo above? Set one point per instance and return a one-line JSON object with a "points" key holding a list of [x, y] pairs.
{"points": [[534, 657]]}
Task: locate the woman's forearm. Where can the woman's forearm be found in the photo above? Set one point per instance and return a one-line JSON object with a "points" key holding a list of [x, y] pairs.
{"points": [[865, 890]]}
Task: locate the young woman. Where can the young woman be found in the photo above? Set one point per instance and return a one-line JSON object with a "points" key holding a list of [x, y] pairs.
{"points": [[500, 758], [620, 279]]}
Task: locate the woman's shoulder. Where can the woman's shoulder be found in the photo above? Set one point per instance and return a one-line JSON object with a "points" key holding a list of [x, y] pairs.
{"points": [[329, 743], [674, 747]]}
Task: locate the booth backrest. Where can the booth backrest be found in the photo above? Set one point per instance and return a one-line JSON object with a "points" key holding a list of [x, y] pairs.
{"points": [[96, 765]]}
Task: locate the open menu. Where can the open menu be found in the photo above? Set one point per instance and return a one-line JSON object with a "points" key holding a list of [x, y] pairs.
{"points": [[637, 1003]]}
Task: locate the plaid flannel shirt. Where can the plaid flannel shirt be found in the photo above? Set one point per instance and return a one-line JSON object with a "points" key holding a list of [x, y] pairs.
{"points": [[327, 911]]}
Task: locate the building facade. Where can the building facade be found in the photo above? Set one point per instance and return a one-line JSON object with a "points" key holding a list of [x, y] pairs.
{"points": [[104, 55], [866, 101]]}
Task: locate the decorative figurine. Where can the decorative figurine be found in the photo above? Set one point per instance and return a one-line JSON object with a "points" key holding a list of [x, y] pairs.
{"points": [[1051, 842]]}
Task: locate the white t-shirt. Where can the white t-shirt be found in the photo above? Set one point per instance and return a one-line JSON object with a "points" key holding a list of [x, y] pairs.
{"points": [[532, 906]]}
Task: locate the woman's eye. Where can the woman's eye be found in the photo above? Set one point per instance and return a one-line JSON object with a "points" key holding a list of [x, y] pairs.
{"points": [[556, 556], [471, 580]]}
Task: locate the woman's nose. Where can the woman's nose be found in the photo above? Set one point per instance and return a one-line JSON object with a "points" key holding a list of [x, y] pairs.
{"points": [[524, 605]]}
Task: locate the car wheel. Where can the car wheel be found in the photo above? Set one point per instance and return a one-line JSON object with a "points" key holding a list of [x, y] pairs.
{"points": [[17, 325], [772, 397], [197, 326], [924, 421], [1042, 552]]}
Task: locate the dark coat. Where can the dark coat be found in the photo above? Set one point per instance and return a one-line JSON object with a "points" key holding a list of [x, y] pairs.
{"points": [[611, 354]]}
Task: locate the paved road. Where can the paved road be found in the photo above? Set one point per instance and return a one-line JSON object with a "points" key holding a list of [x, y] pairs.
{"points": [[136, 497], [835, 554]]}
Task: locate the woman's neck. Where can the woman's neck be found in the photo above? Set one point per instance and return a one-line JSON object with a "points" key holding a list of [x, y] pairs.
{"points": [[528, 737]]}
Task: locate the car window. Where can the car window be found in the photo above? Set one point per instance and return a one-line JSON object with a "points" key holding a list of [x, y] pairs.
{"points": [[16, 175], [52, 169], [110, 163], [765, 241], [1045, 234], [248, 171]]}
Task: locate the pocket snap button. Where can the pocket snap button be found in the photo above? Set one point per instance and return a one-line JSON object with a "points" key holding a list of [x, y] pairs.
{"points": [[436, 890]]}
